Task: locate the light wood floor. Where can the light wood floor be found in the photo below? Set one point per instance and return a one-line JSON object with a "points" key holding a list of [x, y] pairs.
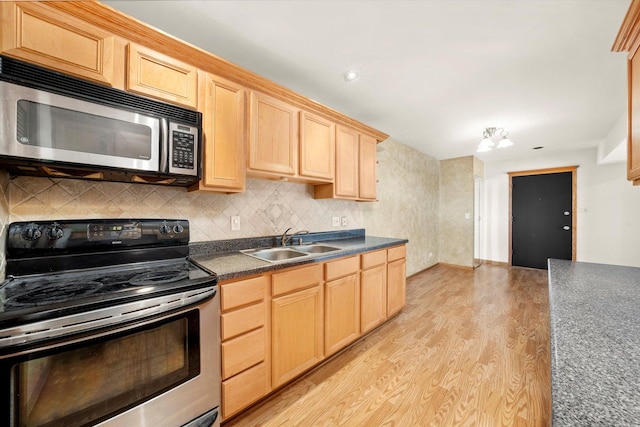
{"points": [[470, 348]]}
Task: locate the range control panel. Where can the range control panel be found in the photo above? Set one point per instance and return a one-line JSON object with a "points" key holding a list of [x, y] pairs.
{"points": [[38, 237]]}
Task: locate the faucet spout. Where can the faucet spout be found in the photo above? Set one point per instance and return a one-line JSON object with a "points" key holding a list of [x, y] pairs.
{"points": [[284, 239]]}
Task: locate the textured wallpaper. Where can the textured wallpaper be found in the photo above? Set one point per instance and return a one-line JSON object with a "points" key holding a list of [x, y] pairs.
{"points": [[408, 202], [456, 211]]}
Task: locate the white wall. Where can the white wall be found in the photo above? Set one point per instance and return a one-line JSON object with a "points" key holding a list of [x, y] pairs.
{"points": [[608, 220]]}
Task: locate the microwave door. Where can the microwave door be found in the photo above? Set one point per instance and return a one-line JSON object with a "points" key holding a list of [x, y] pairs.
{"points": [[56, 128]]}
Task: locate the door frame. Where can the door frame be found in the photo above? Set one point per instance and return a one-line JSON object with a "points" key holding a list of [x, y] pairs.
{"points": [[574, 204]]}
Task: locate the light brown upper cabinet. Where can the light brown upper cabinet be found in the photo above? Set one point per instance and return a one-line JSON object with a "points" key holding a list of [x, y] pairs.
{"points": [[628, 40], [223, 163], [154, 74], [367, 168], [287, 143], [355, 176], [273, 137], [37, 33], [317, 146], [633, 144]]}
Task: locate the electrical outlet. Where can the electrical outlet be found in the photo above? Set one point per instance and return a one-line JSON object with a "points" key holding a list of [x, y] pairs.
{"points": [[335, 221], [344, 221], [235, 223]]}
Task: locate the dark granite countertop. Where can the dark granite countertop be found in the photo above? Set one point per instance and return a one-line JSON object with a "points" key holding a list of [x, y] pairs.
{"points": [[595, 344], [223, 257]]}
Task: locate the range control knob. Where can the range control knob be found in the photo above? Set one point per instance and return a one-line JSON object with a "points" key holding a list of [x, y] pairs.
{"points": [[56, 232], [178, 228], [165, 229], [32, 232]]}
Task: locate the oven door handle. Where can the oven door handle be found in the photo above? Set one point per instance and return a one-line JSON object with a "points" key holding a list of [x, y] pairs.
{"points": [[103, 317]]}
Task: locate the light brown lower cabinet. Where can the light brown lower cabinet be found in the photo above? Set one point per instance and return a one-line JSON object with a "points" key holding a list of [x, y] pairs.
{"points": [[296, 323], [342, 303], [373, 290], [276, 326], [244, 330], [396, 279]]}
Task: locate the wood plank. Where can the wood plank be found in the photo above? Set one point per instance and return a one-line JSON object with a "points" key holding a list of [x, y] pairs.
{"points": [[470, 348]]}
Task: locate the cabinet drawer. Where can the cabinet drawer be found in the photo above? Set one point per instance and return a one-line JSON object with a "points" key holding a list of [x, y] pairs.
{"points": [[244, 389], [243, 320], [342, 267], [396, 253], [372, 259], [299, 278], [242, 352], [241, 293]]}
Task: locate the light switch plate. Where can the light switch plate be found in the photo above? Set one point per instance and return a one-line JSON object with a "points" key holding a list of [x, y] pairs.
{"points": [[235, 223]]}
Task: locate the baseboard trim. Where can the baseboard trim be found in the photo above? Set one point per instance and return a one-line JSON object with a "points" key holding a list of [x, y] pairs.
{"points": [[462, 267], [423, 270], [501, 263]]}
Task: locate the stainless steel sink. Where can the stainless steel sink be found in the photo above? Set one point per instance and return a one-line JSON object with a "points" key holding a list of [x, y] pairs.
{"points": [[316, 249], [274, 254], [284, 254]]}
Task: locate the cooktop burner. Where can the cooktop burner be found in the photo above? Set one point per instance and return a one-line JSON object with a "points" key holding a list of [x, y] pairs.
{"points": [[29, 297]]}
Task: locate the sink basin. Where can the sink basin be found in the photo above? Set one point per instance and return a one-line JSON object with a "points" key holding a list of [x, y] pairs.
{"points": [[316, 249], [274, 254]]}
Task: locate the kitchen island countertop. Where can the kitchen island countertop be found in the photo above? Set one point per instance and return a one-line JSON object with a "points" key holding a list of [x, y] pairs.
{"points": [[595, 344]]}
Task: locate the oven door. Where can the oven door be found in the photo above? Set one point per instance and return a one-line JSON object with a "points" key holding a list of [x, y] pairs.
{"points": [[158, 371]]}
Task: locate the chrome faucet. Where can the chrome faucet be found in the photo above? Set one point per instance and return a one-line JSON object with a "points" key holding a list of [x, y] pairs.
{"points": [[284, 239]]}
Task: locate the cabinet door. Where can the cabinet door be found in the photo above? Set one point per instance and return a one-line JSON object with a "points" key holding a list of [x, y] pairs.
{"points": [[346, 184], [342, 313], [396, 283], [38, 34], [367, 168], [373, 297], [273, 136], [633, 152], [223, 166], [296, 333], [160, 76], [317, 146]]}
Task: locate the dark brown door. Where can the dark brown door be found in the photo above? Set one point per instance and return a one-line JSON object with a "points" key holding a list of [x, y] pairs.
{"points": [[542, 218]]}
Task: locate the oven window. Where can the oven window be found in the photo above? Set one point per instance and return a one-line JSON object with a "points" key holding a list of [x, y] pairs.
{"points": [[42, 125], [82, 385]]}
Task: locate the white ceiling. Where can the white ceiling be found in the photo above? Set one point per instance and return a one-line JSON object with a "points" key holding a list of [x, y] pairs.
{"points": [[433, 73]]}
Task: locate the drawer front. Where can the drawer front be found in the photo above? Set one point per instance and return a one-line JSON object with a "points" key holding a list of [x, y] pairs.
{"points": [[244, 389], [299, 278], [243, 320], [242, 352], [396, 253], [342, 267], [372, 259], [241, 293]]}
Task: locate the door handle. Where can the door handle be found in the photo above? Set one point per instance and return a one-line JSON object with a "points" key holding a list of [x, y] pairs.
{"points": [[566, 227]]}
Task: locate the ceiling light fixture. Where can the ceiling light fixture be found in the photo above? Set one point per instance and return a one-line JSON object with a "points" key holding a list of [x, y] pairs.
{"points": [[351, 75], [488, 143]]}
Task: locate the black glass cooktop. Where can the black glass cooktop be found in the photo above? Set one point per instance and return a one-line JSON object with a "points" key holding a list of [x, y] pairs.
{"points": [[66, 267], [49, 295]]}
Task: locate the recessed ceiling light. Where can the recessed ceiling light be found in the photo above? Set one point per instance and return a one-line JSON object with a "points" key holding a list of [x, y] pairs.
{"points": [[351, 75]]}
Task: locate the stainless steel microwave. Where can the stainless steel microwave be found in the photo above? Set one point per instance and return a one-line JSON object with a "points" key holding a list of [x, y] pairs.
{"points": [[56, 125]]}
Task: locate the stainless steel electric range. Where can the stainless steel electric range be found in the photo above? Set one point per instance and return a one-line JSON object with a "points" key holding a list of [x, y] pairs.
{"points": [[107, 322]]}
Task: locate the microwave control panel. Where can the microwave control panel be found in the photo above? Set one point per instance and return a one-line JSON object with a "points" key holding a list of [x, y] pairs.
{"points": [[184, 149]]}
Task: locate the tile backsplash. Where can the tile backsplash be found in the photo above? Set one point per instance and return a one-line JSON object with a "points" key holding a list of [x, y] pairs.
{"points": [[265, 208]]}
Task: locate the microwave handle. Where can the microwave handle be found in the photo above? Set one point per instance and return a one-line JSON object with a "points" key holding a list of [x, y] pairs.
{"points": [[165, 150]]}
